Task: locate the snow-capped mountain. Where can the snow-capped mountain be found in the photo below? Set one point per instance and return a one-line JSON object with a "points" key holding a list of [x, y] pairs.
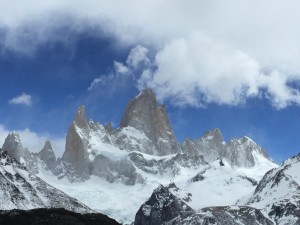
{"points": [[118, 155], [238, 152], [23, 190], [108, 168], [164, 207], [278, 193]]}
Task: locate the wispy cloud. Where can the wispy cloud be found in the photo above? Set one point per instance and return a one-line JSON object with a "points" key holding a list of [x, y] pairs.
{"points": [[136, 59], [23, 99]]}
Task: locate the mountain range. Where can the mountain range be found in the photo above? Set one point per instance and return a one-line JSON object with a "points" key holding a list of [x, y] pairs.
{"points": [[139, 173]]}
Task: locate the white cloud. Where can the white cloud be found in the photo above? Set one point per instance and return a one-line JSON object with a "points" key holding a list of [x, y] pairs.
{"points": [[198, 70], [120, 68], [23, 99], [246, 48], [137, 56], [34, 141]]}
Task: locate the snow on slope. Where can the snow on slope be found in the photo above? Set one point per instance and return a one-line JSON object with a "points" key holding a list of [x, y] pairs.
{"points": [[20, 189], [278, 193], [222, 185]]}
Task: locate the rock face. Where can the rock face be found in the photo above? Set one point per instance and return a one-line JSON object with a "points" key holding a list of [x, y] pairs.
{"points": [[52, 217], [23, 190], [211, 145], [13, 146], [76, 152], [47, 155], [278, 193], [144, 114], [226, 215], [33, 162], [238, 152], [163, 207]]}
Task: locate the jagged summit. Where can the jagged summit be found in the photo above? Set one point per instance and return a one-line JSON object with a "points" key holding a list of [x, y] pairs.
{"points": [[13, 146], [215, 134], [144, 114], [77, 141], [47, 155], [80, 117]]}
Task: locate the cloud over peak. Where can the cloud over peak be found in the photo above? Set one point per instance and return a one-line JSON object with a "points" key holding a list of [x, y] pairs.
{"points": [[222, 52]]}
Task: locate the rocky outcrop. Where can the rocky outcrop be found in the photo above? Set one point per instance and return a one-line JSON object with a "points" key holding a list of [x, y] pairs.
{"points": [[226, 215], [211, 145], [162, 208], [13, 146], [77, 141], [47, 155], [238, 152], [144, 114], [53, 217]]}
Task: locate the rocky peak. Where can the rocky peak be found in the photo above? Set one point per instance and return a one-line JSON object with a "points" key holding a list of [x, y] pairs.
{"points": [[13, 146], [214, 135], [47, 155], [80, 117], [241, 152], [162, 207], [77, 140], [109, 128], [144, 114]]}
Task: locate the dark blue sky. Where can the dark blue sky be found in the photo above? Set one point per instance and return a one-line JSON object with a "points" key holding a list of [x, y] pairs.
{"points": [[225, 65]]}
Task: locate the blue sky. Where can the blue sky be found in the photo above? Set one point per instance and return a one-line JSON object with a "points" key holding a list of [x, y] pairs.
{"points": [[213, 64]]}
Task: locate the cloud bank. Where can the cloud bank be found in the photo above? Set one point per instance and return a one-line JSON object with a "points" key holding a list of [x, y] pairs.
{"points": [[222, 52]]}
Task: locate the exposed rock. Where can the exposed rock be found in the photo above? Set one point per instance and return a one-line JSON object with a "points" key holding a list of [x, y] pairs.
{"points": [[238, 152], [144, 114], [53, 217], [225, 215], [77, 141], [13, 146], [198, 177], [278, 193], [109, 128], [211, 145], [47, 155], [122, 171], [161, 208]]}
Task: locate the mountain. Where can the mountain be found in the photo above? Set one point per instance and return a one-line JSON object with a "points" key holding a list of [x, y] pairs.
{"points": [[23, 190], [13, 146], [144, 114], [240, 152], [47, 155], [92, 149], [278, 193], [275, 201], [164, 207], [110, 168]]}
